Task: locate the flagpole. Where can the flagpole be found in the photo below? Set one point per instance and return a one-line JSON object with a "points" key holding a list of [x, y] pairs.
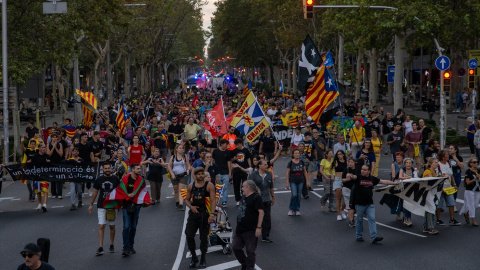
{"points": [[267, 119], [339, 96], [135, 124]]}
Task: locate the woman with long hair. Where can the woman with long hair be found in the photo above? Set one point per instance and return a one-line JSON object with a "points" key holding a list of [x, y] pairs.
{"points": [[340, 164], [296, 175], [429, 224], [367, 155], [327, 169], [456, 161], [407, 172], [472, 192], [377, 149], [179, 168]]}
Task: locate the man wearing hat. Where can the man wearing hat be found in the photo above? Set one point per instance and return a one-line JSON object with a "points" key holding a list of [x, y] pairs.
{"points": [[198, 216], [31, 254]]}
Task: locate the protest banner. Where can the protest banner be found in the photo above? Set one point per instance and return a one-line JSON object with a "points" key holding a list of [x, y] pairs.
{"points": [[420, 195]]}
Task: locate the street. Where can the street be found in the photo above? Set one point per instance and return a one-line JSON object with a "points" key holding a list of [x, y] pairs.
{"points": [[315, 240]]}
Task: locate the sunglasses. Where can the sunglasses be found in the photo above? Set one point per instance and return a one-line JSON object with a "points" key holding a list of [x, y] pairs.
{"points": [[29, 255], [474, 162]]}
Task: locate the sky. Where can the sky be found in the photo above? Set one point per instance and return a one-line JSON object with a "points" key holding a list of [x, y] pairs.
{"points": [[207, 15]]}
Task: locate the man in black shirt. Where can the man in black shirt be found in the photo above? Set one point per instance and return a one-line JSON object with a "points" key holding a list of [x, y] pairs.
{"points": [[55, 151], [386, 128], [41, 187], [85, 152], [30, 130], [102, 187], [32, 254], [96, 147], [432, 151], [363, 202], [249, 225], [175, 130], [427, 134], [222, 159], [241, 161]]}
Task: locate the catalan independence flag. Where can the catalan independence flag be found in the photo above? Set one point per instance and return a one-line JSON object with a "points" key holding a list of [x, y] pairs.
{"points": [[87, 116], [248, 88], [89, 98], [121, 119], [321, 92]]}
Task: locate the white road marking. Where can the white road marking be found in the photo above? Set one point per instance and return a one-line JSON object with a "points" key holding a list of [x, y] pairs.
{"points": [[181, 246], [227, 265], [210, 249], [6, 198], [15, 199], [58, 206]]}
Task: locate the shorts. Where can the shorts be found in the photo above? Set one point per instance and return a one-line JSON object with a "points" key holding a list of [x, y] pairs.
{"points": [[182, 180], [449, 200], [346, 197], [194, 143], [102, 217], [163, 152], [337, 183], [312, 167]]}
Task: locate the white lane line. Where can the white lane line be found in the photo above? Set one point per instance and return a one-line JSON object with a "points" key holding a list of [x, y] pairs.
{"points": [[228, 265], [181, 246], [58, 206], [210, 249], [15, 199]]}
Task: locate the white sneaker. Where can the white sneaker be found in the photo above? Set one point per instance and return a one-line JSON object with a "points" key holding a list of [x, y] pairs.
{"points": [[339, 217], [344, 216], [39, 206], [238, 203]]}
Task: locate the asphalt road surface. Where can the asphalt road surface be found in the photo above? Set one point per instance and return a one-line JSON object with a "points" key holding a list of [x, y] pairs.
{"points": [[315, 240]]}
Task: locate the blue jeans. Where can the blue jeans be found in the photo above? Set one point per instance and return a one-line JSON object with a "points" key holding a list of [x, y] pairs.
{"points": [[76, 191], [224, 180], [129, 227], [369, 210], [458, 180], [296, 190], [423, 147]]}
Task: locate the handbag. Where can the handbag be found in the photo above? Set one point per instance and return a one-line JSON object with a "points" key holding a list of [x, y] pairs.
{"points": [[110, 215], [417, 150], [130, 207]]}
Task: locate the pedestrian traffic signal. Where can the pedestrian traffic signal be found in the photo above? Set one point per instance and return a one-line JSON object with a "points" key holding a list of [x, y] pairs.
{"points": [[471, 78], [446, 81], [308, 9]]}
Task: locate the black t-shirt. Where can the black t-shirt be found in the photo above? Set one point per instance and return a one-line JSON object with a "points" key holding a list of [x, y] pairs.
{"points": [[55, 157], [429, 153], [105, 185], [368, 130], [221, 160], [268, 143], [175, 129], [247, 213], [155, 170], [320, 146], [96, 147], [30, 153], [349, 184], [455, 167], [43, 266], [397, 141], [130, 184], [84, 151], [471, 175], [363, 189], [40, 159], [31, 132], [241, 158], [387, 126], [425, 134], [296, 171]]}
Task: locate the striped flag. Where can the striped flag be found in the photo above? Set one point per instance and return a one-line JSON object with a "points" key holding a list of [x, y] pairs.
{"points": [[121, 119], [248, 88], [87, 116], [89, 98], [140, 194], [321, 92]]}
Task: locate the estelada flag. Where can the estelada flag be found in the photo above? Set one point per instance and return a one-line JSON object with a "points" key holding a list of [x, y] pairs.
{"points": [[195, 101], [140, 194], [87, 116], [89, 98], [321, 92], [248, 88], [216, 122]]}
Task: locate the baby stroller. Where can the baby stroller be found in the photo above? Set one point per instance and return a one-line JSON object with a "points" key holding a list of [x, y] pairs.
{"points": [[221, 231]]}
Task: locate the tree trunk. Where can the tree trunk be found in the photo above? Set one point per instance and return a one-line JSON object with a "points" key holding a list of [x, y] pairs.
{"points": [[390, 90], [294, 77], [61, 92], [340, 58], [16, 126], [373, 77], [358, 79], [126, 84], [289, 75], [54, 89], [399, 52], [96, 78]]}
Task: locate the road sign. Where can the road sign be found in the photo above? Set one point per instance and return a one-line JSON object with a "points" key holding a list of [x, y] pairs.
{"points": [[390, 74], [442, 62], [54, 7], [473, 63], [461, 72]]}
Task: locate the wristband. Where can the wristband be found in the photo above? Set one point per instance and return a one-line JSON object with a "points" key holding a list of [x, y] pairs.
{"points": [[259, 227]]}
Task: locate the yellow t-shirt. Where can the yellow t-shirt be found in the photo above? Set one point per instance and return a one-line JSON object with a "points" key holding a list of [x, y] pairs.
{"points": [[427, 172], [359, 134], [326, 166], [191, 131], [376, 145], [285, 120]]}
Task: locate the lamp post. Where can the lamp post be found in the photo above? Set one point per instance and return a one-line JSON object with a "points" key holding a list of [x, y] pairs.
{"points": [[5, 80]]}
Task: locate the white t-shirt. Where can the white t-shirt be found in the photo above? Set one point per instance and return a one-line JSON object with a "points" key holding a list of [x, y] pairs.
{"points": [[408, 126], [296, 139]]}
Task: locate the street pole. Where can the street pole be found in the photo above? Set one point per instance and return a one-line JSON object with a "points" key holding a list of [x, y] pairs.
{"points": [[108, 76], [5, 80], [443, 120], [474, 100]]}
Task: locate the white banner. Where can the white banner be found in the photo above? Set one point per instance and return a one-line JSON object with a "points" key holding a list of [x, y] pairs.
{"points": [[419, 195]]}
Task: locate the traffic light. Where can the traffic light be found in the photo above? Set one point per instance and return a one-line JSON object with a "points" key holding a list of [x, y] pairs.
{"points": [[228, 57], [308, 9], [446, 81], [196, 58], [471, 78]]}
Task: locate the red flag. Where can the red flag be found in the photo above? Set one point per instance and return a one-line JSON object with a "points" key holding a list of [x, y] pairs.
{"points": [[216, 120], [195, 101]]}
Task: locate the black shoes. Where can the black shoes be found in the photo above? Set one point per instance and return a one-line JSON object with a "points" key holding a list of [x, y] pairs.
{"points": [[266, 240], [193, 262], [203, 262], [360, 240], [99, 251], [132, 251], [112, 249], [125, 252], [377, 239]]}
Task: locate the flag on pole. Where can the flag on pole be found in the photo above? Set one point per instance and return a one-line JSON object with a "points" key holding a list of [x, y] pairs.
{"points": [[327, 59], [87, 116], [248, 88], [89, 98], [195, 101], [122, 118], [309, 62], [320, 93], [216, 122], [147, 107], [250, 119]]}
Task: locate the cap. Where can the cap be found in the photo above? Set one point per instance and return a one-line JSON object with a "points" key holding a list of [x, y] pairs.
{"points": [[199, 169], [31, 248]]}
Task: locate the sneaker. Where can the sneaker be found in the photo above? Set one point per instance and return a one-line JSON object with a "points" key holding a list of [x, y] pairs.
{"points": [[426, 230], [266, 240], [305, 197], [344, 216], [238, 203], [54, 197], [351, 224], [60, 197], [124, 252], [79, 204], [408, 223], [432, 231], [112, 249], [39, 206], [310, 189], [224, 204], [339, 218], [453, 222], [73, 207], [100, 251], [440, 222], [132, 251], [360, 240], [297, 213], [193, 262], [290, 213], [377, 239], [332, 210], [44, 207]]}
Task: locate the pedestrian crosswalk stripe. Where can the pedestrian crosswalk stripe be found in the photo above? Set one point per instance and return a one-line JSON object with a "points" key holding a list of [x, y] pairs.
{"points": [[227, 265], [210, 249]]}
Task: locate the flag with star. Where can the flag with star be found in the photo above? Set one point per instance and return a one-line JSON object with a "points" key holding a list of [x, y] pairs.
{"points": [[320, 93], [250, 119], [309, 62]]}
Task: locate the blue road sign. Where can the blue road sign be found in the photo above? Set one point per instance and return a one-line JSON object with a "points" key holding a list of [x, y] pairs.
{"points": [[442, 63], [472, 63], [390, 74]]}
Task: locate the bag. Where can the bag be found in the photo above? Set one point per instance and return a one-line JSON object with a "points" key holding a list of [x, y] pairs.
{"points": [[417, 150], [110, 214], [130, 206]]}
